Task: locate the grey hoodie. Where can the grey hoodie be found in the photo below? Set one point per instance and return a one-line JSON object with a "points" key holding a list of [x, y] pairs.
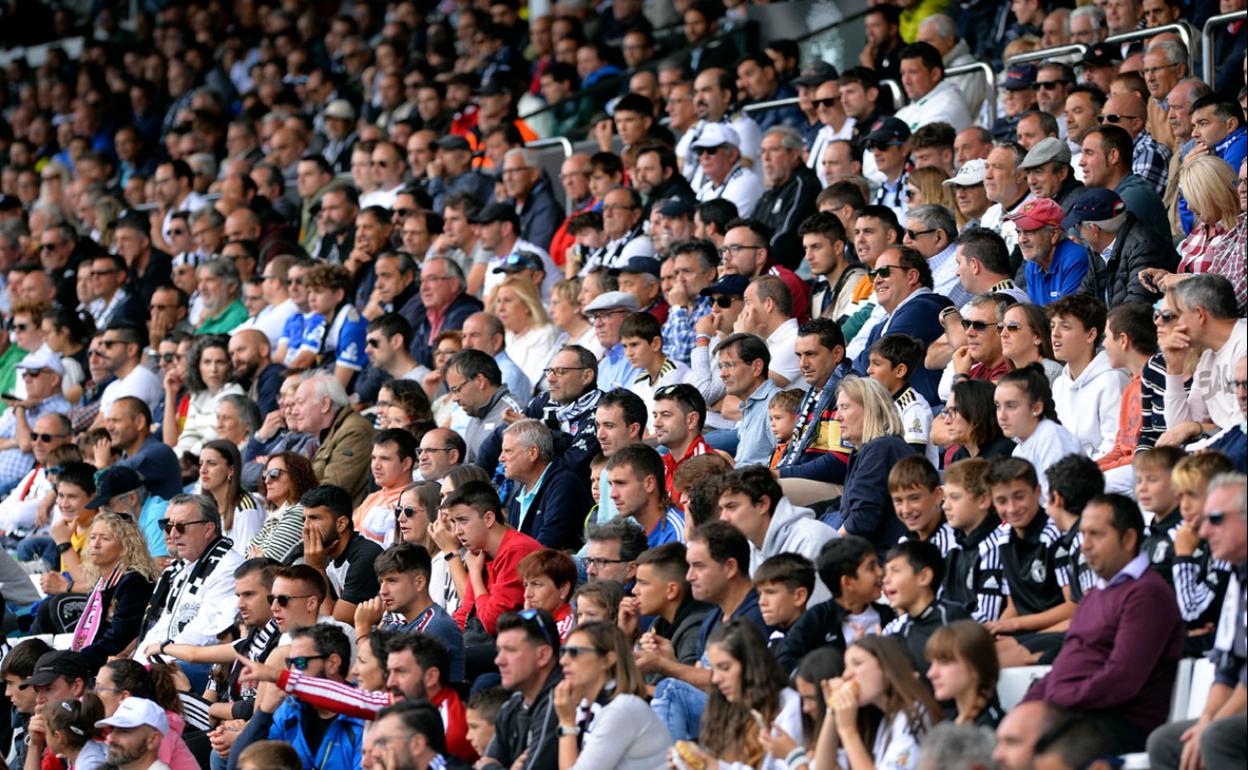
{"points": [[794, 529]]}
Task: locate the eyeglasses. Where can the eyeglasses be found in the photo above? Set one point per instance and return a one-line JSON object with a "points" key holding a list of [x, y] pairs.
{"points": [[831, 101], [428, 450], [406, 511], [914, 235], [180, 526], [979, 326], [301, 662], [618, 207], [1154, 70], [562, 371], [1051, 85], [274, 473], [1112, 118], [47, 438], [1165, 317], [951, 412], [735, 250], [455, 389], [285, 599], [598, 562], [531, 616], [1012, 327], [576, 652], [1215, 518], [883, 271], [725, 300]]}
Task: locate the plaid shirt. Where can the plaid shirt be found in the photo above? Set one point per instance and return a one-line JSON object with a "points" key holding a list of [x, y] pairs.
{"points": [[1151, 161], [14, 463], [1228, 259], [678, 333], [1197, 250]]}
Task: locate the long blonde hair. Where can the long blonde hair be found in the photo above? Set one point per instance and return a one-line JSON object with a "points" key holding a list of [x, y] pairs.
{"points": [[134, 554], [927, 181], [1208, 184], [528, 294], [880, 417]]}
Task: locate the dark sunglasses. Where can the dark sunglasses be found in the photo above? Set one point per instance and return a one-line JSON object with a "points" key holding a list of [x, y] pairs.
{"points": [[1215, 517], [300, 662], [179, 527], [1049, 85], [404, 213], [576, 652], [406, 511], [47, 438], [725, 300], [831, 101], [274, 473], [1164, 316], [1112, 118], [708, 150], [284, 599], [914, 235], [979, 326], [373, 343], [882, 272], [882, 146]]}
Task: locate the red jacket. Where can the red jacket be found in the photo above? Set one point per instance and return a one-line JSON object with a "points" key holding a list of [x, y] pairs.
{"points": [[506, 592]]}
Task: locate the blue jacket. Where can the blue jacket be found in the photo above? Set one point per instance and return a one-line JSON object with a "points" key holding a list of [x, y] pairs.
{"points": [[339, 749], [461, 307], [866, 507], [557, 512], [920, 318]]}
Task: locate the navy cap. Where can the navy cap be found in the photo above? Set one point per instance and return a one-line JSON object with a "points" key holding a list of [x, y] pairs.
{"points": [[496, 212], [113, 481], [639, 265], [1100, 55], [1096, 204], [59, 663], [452, 142], [9, 203], [888, 129], [731, 285], [1020, 77], [677, 206], [520, 260], [815, 73]]}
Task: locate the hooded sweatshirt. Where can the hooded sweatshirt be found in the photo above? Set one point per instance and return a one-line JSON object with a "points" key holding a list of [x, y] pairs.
{"points": [[1088, 406], [794, 529]]}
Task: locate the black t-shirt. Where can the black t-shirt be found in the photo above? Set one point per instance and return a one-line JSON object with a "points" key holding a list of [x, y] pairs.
{"points": [[351, 576], [1033, 575]]}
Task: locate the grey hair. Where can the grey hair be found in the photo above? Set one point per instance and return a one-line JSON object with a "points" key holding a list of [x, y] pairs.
{"points": [[622, 529], [530, 160], [1211, 292], [935, 216], [1236, 482], [326, 385], [212, 215], [206, 505], [1002, 302], [533, 433], [1174, 51], [1197, 88], [226, 270], [943, 24], [406, 264], [950, 746], [790, 139], [1113, 224], [1097, 16], [452, 267], [204, 163], [248, 410]]}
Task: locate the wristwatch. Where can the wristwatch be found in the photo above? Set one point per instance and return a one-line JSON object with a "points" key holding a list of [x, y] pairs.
{"points": [[63, 547], [566, 730]]}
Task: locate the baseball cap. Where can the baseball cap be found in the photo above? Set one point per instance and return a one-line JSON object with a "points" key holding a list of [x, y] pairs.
{"points": [[1100, 55], [677, 206], [340, 109], [452, 142], [815, 73], [638, 266], [59, 663], [612, 300], [496, 212], [520, 260], [971, 174], [716, 135], [137, 712], [43, 358], [732, 285], [1095, 204], [1037, 213], [1020, 77], [113, 481], [889, 130], [9, 203], [1048, 150]]}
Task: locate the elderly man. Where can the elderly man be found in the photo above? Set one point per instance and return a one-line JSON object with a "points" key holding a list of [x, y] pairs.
{"points": [[1019, 97], [723, 175], [447, 305], [640, 277], [1165, 64], [623, 227], [530, 192], [322, 408], [932, 97], [219, 290], [968, 191], [31, 492], [1055, 264], [1006, 187], [1049, 174], [931, 230], [548, 502], [1087, 25], [607, 312], [1123, 246], [791, 189]]}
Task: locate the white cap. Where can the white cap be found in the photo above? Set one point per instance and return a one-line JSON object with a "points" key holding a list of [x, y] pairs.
{"points": [[971, 173], [136, 712], [716, 135], [43, 358]]}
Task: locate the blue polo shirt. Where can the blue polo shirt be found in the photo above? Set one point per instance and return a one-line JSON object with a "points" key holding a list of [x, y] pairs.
{"points": [[1064, 276], [755, 441]]}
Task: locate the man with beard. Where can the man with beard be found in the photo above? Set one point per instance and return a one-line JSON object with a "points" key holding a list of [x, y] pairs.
{"points": [[336, 224], [254, 369], [332, 547], [219, 289], [146, 266], [657, 177], [129, 423], [136, 731], [791, 189]]}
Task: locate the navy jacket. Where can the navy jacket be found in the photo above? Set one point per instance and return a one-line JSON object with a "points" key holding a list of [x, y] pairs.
{"points": [[461, 307], [866, 507], [920, 318], [541, 214], [557, 512]]}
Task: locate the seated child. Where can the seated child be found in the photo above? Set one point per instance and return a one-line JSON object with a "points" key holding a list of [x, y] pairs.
{"points": [[973, 575], [784, 584], [597, 601], [914, 485], [912, 576], [782, 416], [481, 714], [1073, 481], [893, 360]]}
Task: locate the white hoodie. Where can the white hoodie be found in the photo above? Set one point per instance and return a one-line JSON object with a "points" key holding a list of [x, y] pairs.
{"points": [[1088, 406], [794, 529]]}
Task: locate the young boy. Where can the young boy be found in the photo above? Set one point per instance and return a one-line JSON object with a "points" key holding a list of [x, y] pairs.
{"points": [[850, 568], [1089, 390], [892, 361], [338, 342], [403, 573], [1130, 340], [18, 666], [642, 338], [784, 583], [782, 417], [914, 485], [1073, 481], [973, 575], [1036, 585], [912, 575], [1154, 484], [662, 592], [481, 714]]}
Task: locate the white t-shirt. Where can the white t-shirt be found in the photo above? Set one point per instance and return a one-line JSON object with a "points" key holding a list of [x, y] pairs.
{"points": [[782, 345], [140, 383], [272, 321]]}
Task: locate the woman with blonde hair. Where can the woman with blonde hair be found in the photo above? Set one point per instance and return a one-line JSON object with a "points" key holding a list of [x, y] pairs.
{"points": [[1209, 186], [528, 331], [566, 315], [871, 425], [604, 719], [924, 187]]}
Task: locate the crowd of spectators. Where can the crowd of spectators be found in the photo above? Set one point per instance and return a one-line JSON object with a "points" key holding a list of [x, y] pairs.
{"points": [[345, 423]]}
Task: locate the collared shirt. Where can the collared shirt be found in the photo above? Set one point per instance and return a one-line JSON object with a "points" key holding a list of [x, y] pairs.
{"points": [[755, 441], [1131, 571], [893, 195], [697, 447], [1151, 160], [614, 370], [527, 494], [945, 275]]}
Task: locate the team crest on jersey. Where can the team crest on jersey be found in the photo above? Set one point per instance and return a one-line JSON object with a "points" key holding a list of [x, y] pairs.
{"points": [[1038, 571], [1159, 552]]}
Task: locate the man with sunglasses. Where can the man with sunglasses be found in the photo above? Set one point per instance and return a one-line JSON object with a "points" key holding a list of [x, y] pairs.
{"points": [[718, 148], [836, 124], [1122, 246], [888, 140], [1150, 159], [19, 509], [112, 301], [1053, 82]]}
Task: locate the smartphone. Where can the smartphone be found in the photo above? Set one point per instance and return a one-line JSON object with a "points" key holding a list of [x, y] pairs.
{"points": [[9, 397]]}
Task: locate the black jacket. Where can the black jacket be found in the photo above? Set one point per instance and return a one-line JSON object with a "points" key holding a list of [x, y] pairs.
{"points": [[541, 214], [684, 630], [1137, 247], [532, 727], [422, 345], [820, 626], [124, 605], [783, 209]]}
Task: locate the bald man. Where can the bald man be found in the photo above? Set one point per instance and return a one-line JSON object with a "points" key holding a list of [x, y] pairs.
{"points": [[243, 224], [440, 450], [1151, 158], [251, 354]]}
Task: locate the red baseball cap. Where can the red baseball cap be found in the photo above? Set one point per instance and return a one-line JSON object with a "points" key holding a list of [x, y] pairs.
{"points": [[1038, 213]]}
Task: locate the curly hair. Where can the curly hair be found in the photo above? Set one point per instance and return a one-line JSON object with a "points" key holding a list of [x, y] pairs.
{"points": [[194, 380], [134, 553], [298, 468]]}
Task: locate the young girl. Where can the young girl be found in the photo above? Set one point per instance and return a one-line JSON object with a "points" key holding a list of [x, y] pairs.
{"points": [[70, 732], [1025, 412], [877, 713], [818, 665], [598, 601], [963, 672]]}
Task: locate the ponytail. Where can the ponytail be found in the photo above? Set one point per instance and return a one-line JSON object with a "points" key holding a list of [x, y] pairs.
{"points": [[1033, 381]]}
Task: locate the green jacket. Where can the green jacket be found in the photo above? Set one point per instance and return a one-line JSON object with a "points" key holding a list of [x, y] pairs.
{"points": [[225, 322], [345, 453]]}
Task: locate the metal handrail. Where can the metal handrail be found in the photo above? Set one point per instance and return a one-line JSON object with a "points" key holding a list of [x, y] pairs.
{"points": [[1141, 34], [989, 75], [899, 96], [1046, 53], [1206, 39], [757, 106], [541, 144]]}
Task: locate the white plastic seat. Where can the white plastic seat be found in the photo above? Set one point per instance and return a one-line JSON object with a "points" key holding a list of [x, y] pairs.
{"points": [[1013, 683]]}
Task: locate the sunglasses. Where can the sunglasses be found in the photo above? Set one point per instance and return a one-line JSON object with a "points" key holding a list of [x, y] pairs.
{"points": [[1164, 316], [274, 473], [831, 101], [708, 150], [1111, 118], [882, 146], [725, 301], [883, 271], [1215, 517], [372, 343], [1050, 85], [1013, 327], [979, 326], [300, 662], [576, 652], [914, 235], [179, 527], [404, 213], [531, 616], [284, 599], [406, 511], [47, 438]]}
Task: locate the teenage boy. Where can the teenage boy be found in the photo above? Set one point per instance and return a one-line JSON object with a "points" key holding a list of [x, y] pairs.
{"points": [[1073, 481], [662, 592], [1130, 340], [1038, 597], [679, 413], [404, 604], [751, 500], [333, 547], [892, 362], [337, 343], [638, 489], [18, 666], [914, 485], [784, 584], [973, 574], [393, 458], [642, 338], [850, 567], [912, 575], [1089, 390]]}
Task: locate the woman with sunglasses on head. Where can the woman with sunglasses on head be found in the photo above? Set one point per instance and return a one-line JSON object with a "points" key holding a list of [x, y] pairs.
{"points": [[191, 420], [67, 728], [605, 722], [751, 712], [877, 713], [1026, 339], [221, 477], [870, 424], [287, 475], [123, 678], [970, 423], [118, 577], [1026, 414], [549, 577], [1153, 378]]}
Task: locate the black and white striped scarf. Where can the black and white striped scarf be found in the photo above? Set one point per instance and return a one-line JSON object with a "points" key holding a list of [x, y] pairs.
{"points": [[188, 583]]}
